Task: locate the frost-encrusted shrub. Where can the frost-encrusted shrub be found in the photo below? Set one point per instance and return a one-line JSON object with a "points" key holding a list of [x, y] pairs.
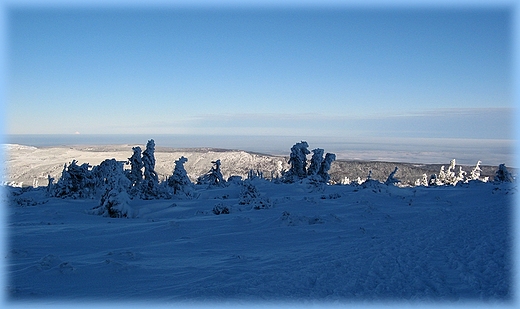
{"points": [[77, 181], [220, 209], [369, 183], [331, 196], [249, 195], [179, 180], [213, 177], [503, 175], [294, 220], [262, 203], [115, 203], [26, 201], [373, 184], [234, 179]]}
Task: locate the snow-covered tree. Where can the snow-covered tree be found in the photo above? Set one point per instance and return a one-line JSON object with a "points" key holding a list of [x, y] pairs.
{"points": [[298, 162], [115, 201], [106, 172], [461, 176], [448, 177], [391, 180], [318, 169], [345, 181], [475, 172], [179, 180], [325, 167], [136, 165], [278, 172], [316, 160], [213, 177], [423, 181], [151, 180], [50, 185], [439, 179], [434, 179], [76, 181], [503, 175]]}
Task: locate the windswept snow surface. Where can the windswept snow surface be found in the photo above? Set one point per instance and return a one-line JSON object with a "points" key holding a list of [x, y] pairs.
{"points": [[355, 244]]}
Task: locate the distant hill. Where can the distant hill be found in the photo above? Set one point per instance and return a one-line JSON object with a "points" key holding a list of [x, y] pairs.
{"points": [[32, 165]]}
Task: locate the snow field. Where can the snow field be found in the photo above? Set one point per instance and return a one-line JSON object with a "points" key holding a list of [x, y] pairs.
{"points": [[355, 243]]}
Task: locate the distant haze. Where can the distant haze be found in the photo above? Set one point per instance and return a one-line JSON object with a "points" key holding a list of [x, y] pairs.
{"points": [[413, 150]]}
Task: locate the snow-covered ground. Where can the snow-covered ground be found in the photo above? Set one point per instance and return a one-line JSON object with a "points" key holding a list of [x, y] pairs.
{"points": [[342, 244]]}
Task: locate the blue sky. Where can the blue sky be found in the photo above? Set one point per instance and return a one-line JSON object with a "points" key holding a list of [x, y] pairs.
{"points": [[344, 71]]}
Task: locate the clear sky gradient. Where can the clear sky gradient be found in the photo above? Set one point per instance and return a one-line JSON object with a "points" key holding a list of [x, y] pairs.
{"points": [[344, 71]]}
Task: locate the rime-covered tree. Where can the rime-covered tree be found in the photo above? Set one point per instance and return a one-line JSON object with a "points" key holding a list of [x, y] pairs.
{"points": [[115, 201], [213, 177], [440, 179], [179, 180], [50, 185], [325, 166], [278, 172], [77, 181], [450, 177], [461, 176], [151, 180], [475, 172], [391, 180], [423, 181], [503, 175], [316, 160], [369, 176], [298, 162], [136, 166], [106, 172]]}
